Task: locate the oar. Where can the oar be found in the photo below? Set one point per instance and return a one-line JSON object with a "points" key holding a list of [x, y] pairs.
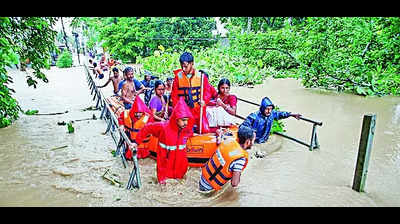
{"points": [[201, 98]]}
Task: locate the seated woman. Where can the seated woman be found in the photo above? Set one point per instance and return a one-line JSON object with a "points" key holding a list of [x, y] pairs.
{"points": [[158, 104], [222, 109]]}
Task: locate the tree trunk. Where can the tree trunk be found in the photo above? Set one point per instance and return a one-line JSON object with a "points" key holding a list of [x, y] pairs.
{"points": [[65, 35], [273, 21], [290, 20], [248, 24]]}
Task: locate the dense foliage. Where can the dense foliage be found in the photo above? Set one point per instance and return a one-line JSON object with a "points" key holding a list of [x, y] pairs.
{"points": [[216, 62], [129, 37], [361, 55], [64, 60], [23, 39], [358, 55], [354, 54]]}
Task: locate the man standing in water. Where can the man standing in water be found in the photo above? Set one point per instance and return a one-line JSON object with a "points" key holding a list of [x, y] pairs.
{"points": [[187, 84], [228, 162], [172, 137], [261, 121], [131, 88]]}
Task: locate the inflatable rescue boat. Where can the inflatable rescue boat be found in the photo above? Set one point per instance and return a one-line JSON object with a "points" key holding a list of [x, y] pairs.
{"points": [[200, 147]]}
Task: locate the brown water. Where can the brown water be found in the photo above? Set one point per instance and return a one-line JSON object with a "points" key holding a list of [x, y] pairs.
{"points": [[33, 173]]}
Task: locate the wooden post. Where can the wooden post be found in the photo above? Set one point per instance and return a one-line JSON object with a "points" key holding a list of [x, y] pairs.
{"points": [[364, 151]]}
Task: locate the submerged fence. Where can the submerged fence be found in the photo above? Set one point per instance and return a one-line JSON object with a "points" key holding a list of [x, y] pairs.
{"points": [[120, 138]]}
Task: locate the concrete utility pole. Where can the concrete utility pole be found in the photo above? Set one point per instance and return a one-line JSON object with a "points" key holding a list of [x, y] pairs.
{"points": [[77, 45], [249, 24], [364, 152], [65, 35]]}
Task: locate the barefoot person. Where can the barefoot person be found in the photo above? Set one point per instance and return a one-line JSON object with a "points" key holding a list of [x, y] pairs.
{"points": [[97, 71]]}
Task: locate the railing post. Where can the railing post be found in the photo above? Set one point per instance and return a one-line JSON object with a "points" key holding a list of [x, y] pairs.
{"points": [[134, 174], [364, 152], [314, 142]]}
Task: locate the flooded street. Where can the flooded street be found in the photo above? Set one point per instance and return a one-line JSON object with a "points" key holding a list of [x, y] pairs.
{"points": [[35, 172]]}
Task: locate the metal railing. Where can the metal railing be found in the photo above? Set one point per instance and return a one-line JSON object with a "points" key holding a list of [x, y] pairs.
{"points": [[314, 140], [113, 128]]}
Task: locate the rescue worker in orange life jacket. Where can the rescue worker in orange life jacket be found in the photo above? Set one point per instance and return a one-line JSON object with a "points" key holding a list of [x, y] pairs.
{"points": [[132, 121], [187, 84], [228, 162]]}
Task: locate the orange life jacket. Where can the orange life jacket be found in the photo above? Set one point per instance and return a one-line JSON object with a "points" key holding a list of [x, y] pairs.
{"points": [[189, 88], [216, 170], [135, 128]]}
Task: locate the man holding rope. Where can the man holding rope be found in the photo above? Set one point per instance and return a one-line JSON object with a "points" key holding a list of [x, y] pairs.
{"points": [[261, 121]]}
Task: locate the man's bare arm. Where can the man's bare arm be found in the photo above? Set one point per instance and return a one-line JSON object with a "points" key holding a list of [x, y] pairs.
{"points": [[105, 84], [235, 178], [141, 90]]}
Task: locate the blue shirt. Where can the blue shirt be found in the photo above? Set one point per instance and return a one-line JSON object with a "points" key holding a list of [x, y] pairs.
{"points": [[138, 84], [148, 93]]}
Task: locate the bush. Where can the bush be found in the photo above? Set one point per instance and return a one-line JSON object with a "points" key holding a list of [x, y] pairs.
{"points": [[215, 61], [65, 60]]}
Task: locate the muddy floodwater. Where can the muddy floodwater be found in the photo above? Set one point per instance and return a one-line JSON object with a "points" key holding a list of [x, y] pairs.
{"points": [[41, 164]]}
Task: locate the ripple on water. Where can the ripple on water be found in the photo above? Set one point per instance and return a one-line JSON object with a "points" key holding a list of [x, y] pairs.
{"points": [[283, 173]]}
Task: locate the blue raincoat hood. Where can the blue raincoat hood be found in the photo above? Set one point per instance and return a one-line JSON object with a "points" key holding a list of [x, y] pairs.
{"points": [[262, 124], [264, 103]]}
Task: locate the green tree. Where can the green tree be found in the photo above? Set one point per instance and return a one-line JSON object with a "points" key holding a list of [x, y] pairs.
{"points": [[65, 60], [22, 39], [129, 37], [258, 24], [355, 54], [360, 55]]}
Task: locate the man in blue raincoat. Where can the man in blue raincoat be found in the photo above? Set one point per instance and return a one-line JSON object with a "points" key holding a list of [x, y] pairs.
{"points": [[261, 121]]}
